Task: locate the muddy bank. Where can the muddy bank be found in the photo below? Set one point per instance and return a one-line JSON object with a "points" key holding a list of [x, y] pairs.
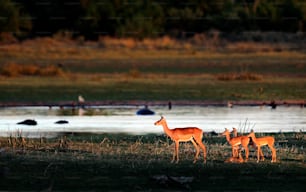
{"points": [[301, 103]]}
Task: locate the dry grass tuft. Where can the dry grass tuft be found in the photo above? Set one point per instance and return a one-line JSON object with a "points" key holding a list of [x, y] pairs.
{"points": [[62, 46], [147, 44], [239, 76], [134, 73], [7, 38], [108, 42], [14, 70], [251, 47], [212, 41]]}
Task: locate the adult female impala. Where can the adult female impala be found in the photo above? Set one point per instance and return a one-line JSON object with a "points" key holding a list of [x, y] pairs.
{"points": [[178, 135], [235, 142], [262, 141]]}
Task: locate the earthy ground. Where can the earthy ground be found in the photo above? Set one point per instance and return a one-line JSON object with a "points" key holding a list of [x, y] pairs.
{"points": [[120, 162]]}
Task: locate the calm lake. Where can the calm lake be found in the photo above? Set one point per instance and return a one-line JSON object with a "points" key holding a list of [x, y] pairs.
{"points": [[123, 119]]}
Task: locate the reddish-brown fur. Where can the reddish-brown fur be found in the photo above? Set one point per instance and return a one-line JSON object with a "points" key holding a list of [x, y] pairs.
{"points": [[192, 134]]}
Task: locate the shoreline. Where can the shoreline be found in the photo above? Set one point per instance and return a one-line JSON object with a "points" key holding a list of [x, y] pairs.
{"points": [[62, 104]]}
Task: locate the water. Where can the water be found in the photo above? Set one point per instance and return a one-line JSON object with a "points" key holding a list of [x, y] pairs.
{"points": [[123, 119]]}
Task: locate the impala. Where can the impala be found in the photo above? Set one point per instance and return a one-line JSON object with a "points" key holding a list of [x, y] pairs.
{"points": [[235, 142], [262, 141], [235, 134], [186, 134], [238, 159], [236, 150]]}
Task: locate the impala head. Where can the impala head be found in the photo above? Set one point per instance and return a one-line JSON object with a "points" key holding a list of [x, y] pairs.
{"points": [[234, 130], [159, 122], [251, 134], [226, 132]]}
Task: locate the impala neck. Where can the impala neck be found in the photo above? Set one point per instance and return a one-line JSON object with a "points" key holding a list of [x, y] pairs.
{"points": [[166, 128], [254, 138], [228, 137], [235, 133]]}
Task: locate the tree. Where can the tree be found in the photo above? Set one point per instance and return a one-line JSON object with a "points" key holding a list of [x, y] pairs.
{"points": [[266, 15], [12, 19], [292, 15], [139, 19]]}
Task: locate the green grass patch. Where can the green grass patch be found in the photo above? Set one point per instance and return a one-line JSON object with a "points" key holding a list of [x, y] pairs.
{"points": [[150, 87], [167, 61]]}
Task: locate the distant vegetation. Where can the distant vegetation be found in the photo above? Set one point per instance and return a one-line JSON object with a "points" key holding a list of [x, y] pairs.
{"points": [[90, 19]]}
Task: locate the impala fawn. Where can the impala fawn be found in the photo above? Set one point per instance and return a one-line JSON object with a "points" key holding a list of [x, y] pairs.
{"points": [[235, 142], [262, 141], [235, 134]]}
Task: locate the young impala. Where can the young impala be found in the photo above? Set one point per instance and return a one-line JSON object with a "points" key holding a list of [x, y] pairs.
{"points": [[178, 135], [262, 141], [235, 142], [235, 134]]}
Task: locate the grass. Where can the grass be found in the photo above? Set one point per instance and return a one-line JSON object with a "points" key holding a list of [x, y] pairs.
{"points": [[165, 61], [121, 162], [14, 70], [52, 70], [149, 87]]}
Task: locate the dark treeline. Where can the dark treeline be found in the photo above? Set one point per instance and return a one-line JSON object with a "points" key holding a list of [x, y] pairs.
{"points": [[149, 18]]}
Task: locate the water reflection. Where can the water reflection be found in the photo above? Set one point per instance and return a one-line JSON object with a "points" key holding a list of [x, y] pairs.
{"points": [[124, 119]]}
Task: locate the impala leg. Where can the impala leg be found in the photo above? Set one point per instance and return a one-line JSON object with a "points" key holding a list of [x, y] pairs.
{"points": [[197, 149], [204, 151], [262, 157], [202, 146], [258, 151], [273, 153], [176, 152], [234, 151], [237, 151], [246, 148]]}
